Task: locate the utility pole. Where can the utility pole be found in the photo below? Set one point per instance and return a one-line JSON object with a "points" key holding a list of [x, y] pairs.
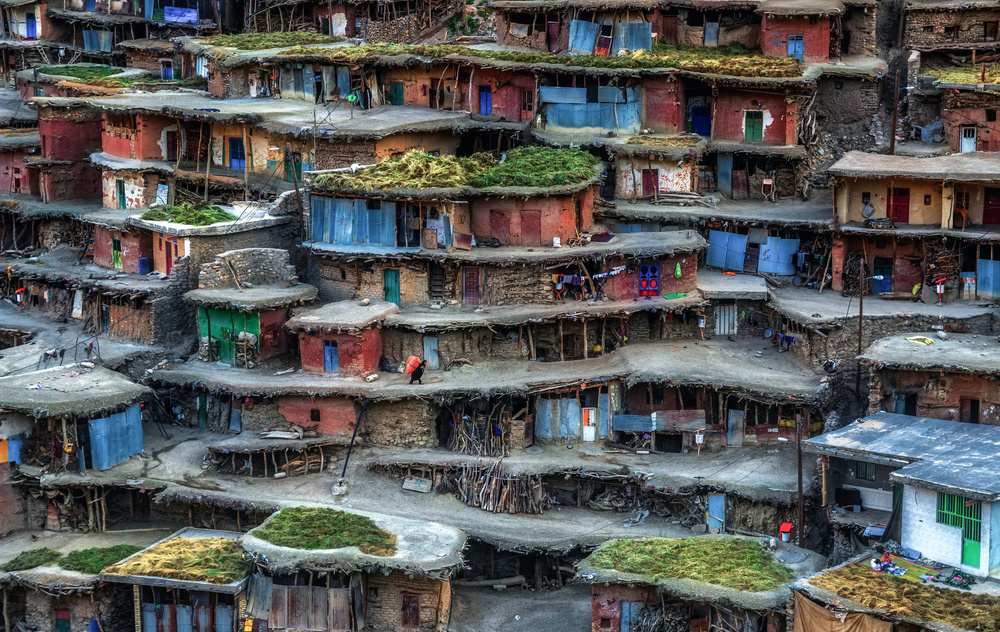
{"points": [[861, 321], [798, 451], [895, 116]]}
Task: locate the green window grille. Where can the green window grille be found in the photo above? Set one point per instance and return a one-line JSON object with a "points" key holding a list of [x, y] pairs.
{"points": [[962, 513], [864, 471]]}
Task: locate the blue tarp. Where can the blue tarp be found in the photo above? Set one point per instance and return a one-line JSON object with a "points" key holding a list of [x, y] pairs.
{"points": [[614, 94], [114, 439], [97, 40], [637, 36], [553, 94], [558, 418], [595, 115], [347, 221], [777, 256], [726, 250], [582, 37], [180, 15]]}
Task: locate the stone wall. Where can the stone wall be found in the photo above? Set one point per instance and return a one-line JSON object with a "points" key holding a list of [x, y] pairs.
{"points": [[860, 23], [202, 249], [385, 601], [846, 106], [516, 285], [257, 266], [408, 423], [947, 29], [338, 154], [12, 508], [110, 604]]}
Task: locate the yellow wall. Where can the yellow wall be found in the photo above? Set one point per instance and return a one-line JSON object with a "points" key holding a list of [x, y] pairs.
{"points": [[920, 213], [976, 194]]}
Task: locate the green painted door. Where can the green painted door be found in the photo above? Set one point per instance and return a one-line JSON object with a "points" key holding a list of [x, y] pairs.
{"points": [[970, 552], [203, 411], [396, 93], [224, 326], [966, 515], [116, 254], [392, 286], [120, 193], [753, 130]]}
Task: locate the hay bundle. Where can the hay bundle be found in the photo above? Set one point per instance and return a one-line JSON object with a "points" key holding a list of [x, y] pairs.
{"points": [[321, 528], [200, 214], [213, 560], [415, 170], [539, 167], [672, 141]]}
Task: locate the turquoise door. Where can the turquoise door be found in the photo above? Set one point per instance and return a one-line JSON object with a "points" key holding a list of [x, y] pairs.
{"points": [[796, 47], [392, 286], [630, 615], [331, 356], [716, 511]]}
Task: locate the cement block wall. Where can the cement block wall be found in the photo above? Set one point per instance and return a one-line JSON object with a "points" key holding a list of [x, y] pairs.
{"points": [[938, 542]]}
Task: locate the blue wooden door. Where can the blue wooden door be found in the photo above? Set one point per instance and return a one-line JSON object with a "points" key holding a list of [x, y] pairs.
{"points": [[391, 278], [988, 278], [725, 177], [716, 511], [630, 614], [237, 154], [30, 31], [485, 100], [431, 352], [711, 33], [796, 47], [331, 356], [701, 120]]}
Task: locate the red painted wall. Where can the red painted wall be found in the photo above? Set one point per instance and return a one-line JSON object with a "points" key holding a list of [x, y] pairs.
{"points": [[606, 603], [730, 108], [358, 354], [336, 414], [278, 344], [557, 218], [11, 165], [135, 244], [663, 100], [70, 138], [625, 286], [816, 37], [987, 132]]}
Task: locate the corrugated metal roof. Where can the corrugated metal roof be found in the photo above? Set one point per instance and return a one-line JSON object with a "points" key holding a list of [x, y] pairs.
{"points": [[936, 454]]}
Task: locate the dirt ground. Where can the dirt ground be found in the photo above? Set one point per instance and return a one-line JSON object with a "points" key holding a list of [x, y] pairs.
{"points": [[486, 610]]}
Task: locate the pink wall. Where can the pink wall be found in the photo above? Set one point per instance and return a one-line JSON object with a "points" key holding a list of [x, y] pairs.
{"points": [[511, 219], [731, 105], [70, 138], [135, 244], [336, 414], [815, 32], [276, 344], [663, 105], [357, 354]]}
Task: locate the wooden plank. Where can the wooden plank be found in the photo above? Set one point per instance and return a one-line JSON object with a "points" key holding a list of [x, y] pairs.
{"points": [[340, 610], [278, 617]]}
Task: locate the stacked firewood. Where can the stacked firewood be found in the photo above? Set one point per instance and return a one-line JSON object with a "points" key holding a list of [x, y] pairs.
{"points": [[487, 487]]}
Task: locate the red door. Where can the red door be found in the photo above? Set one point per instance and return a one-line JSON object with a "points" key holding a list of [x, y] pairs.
{"points": [[669, 34], [500, 226], [991, 207], [471, 291], [169, 255], [649, 182], [899, 205], [531, 228], [553, 37]]}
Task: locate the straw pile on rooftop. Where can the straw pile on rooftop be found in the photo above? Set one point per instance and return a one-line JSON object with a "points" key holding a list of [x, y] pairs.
{"points": [[908, 599], [968, 75], [670, 141], [521, 167], [728, 562], [92, 561], [31, 559], [724, 60], [320, 528], [212, 560], [264, 41], [199, 214]]}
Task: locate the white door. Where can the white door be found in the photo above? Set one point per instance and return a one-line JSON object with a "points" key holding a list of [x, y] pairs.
{"points": [[968, 140], [725, 320]]}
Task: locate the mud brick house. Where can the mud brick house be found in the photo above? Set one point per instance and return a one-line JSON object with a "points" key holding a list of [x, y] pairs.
{"points": [[947, 379], [646, 166], [353, 590], [68, 135], [904, 464], [950, 25], [576, 27], [340, 337], [161, 58], [15, 176], [161, 598], [247, 328], [621, 600], [711, 24], [91, 414], [47, 82], [798, 29], [969, 117]]}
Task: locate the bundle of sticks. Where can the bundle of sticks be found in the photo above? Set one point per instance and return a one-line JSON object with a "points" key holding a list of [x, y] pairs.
{"points": [[480, 434], [487, 487]]}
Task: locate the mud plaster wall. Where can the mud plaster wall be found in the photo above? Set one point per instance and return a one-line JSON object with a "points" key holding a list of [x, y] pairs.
{"points": [[669, 176], [255, 146], [533, 221], [940, 396], [336, 414], [906, 254], [406, 423], [970, 109], [860, 23], [606, 603], [662, 105], [77, 181], [134, 244], [815, 32], [109, 604], [845, 107], [357, 353], [71, 134], [385, 601], [338, 281], [140, 189], [730, 114], [920, 213], [13, 516], [743, 27]]}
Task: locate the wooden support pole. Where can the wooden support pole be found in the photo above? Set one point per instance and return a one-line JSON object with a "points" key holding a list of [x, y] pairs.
{"points": [[562, 351], [586, 341], [208, 160]]}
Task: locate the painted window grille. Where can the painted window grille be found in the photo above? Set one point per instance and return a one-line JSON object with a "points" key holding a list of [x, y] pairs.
{"points": [[864, 471], [649, 280], [962, 513]]}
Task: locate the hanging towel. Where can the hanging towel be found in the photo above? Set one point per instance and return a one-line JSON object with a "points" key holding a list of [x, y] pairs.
{"points": [[677, 271]]}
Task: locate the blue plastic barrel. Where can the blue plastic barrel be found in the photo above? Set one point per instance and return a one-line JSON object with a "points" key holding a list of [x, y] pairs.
{"points": [[143, 265]]}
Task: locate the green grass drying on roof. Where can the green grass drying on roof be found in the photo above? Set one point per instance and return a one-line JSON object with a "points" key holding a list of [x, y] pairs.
{"points": [[735, 61], [954, 74], [728, 562], [522, 167], [264, 41], [200, 214], [538, 167], [312, 528], [213, 560], [93, 561], [31, 559], [81, 72]]}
